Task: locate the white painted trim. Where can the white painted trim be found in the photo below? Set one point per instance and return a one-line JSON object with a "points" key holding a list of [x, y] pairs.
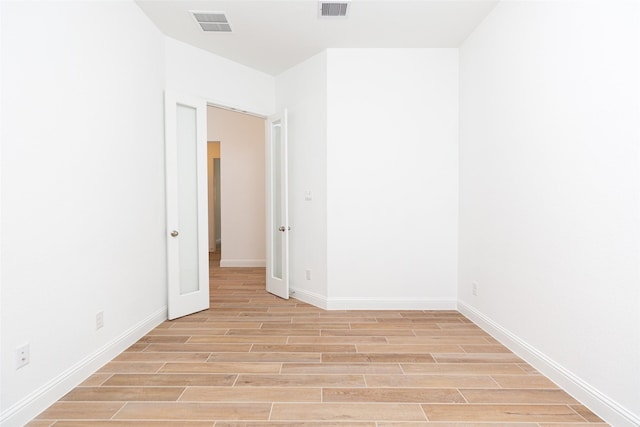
{"points": [[40, 399], [312, 298], [243, 263], [386, 303], [236, 110], [605, 407], [364, 303]]}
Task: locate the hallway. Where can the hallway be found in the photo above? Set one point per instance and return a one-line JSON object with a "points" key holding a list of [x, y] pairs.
{"points": [[256, 360]]}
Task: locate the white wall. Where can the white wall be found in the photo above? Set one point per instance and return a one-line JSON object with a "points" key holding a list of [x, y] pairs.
{"points": [[392, 178], [82, 192], [218, 80], [549, 192], [302, 91], [242, 192]]}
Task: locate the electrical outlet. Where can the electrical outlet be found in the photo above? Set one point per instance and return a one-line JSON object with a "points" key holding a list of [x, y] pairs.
{"points": [[474, 289], [22, 356], [99, 320], [307, 273]]}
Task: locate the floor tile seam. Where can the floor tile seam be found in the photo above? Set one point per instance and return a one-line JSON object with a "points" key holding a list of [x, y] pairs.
{"points": [[270, 411], [543, 387], [168, 420], [426, 417], [350, 420], [103, 387], [578, 413], [463, 390], [235, 380], [106, 379], [119, 410], [502, 404], [459, 390], [415, 387], [182, 394], [243, 402], [402, 369]]}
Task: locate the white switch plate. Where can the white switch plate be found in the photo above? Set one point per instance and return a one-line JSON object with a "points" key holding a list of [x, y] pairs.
{"points": [[307, 195]]}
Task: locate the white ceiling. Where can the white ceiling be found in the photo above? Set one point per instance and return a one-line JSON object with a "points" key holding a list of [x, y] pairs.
{"points": [[273, 35]]}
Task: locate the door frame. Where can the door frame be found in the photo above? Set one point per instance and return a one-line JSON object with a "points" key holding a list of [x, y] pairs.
{"points": [[203, 233]]}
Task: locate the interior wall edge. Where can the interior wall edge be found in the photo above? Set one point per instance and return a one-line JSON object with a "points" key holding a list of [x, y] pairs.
{"points": [[601, 404], [40, 399]]}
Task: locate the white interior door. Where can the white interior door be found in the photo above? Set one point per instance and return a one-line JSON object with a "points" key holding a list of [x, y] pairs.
{"points": [[277, 207], [186, 186]]}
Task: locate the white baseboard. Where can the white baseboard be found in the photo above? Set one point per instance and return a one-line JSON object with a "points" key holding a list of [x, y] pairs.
{"points": [[605, 407], [325, 303], [312, 298], [243, 263], [391, 304], [386, 303], [40, 399]]}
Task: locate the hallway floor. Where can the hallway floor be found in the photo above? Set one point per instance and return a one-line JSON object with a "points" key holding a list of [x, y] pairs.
{"points": [[255, 360]]}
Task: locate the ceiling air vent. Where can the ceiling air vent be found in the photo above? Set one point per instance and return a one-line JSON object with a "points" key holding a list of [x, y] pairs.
{"points": [[334, 9], [212, 21]]}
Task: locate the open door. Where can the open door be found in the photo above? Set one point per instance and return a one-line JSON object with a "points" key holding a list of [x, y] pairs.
{"points": [[277, 207], [186, 188]]}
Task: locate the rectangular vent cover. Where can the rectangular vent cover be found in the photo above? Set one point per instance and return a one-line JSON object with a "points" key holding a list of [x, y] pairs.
{"points": [[212, 21], [334, 9]]}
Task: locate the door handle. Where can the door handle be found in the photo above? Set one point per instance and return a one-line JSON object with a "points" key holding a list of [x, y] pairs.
{"points": [[174, 233], [283, 228]]}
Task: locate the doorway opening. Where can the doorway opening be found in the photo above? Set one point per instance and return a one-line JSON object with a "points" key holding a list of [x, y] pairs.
{"points": [[236, 187]]}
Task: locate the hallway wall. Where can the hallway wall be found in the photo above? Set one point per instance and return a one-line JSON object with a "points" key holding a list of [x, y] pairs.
{"points": [[242, 192]]}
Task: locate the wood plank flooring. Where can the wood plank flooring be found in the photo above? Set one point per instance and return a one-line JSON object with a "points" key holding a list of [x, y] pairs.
{"points": [[254, 360]]}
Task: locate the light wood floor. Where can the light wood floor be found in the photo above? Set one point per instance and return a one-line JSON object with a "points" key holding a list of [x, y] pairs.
{"points": [[255, 360]]}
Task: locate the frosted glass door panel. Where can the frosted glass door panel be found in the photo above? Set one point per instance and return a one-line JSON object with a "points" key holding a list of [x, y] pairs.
{"points": [[186, 186], [277, 207], [186, 138], [276, 181]]}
